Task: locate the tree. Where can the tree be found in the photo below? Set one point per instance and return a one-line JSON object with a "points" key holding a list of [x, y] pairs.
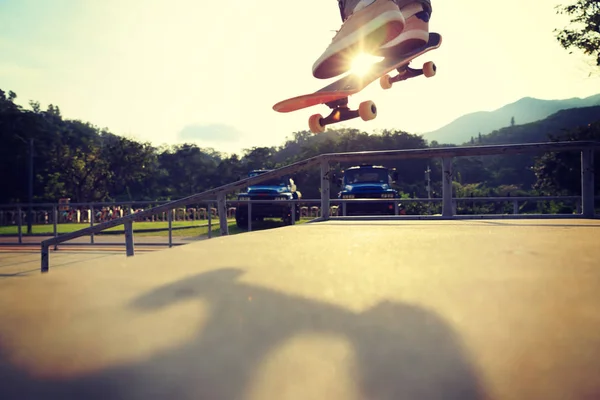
{"points": [[585, 33], [557, 172], [258, 158]]}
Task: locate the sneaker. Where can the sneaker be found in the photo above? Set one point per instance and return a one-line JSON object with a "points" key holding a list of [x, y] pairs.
{"points": [[370, 24], [415, 34]]}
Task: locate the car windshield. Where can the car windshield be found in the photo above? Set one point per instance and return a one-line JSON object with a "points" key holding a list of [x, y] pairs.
{"points": [[269, 182], [366, 176]]}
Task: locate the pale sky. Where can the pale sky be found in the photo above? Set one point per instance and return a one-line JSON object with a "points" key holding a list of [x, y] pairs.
{"points": [[166, 71]]}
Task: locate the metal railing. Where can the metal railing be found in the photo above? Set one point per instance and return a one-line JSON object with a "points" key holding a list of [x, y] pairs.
{"points": [[586, 148], [399, 203], [87, 214], [308, 204]]}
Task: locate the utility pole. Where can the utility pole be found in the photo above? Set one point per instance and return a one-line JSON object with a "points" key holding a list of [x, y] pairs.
{"points": [[30, 213], [30, 186], [428, 180]]}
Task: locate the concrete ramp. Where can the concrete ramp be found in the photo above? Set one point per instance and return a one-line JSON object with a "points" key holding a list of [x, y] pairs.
{"points": [[336, 310]]}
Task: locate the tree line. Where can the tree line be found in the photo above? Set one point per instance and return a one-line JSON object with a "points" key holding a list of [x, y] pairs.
{"points": [[78, 160]]}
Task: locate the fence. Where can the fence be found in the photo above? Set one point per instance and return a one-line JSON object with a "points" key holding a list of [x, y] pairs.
{"points": [[309, 209], [586, 148]]}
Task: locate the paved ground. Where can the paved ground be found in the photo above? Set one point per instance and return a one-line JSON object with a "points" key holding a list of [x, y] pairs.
{"points": [[338, 310]]}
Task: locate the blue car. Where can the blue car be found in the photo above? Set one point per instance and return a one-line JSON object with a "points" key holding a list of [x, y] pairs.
{"points": [[369, 182], [278, 190]]}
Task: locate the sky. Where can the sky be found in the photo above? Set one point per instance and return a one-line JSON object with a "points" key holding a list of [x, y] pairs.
{"points": [[209, 72]]}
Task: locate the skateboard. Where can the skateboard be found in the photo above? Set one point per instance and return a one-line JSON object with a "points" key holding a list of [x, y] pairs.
{"points": [[336, 94]]}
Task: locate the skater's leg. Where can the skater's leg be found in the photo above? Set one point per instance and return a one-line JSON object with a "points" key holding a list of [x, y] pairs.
{"points": [[416, 32], [367, 25], [347, 7]]}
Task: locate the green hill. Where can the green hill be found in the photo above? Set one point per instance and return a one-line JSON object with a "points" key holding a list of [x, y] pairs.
{"points": [[524, 111], [517, 170], [541, 131]]}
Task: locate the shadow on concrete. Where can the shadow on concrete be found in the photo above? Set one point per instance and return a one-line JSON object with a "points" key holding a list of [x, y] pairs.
{"points": [[27, 267], [20, 274], [401, 351]]}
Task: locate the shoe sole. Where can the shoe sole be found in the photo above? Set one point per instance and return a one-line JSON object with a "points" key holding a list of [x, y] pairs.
{"points": [[404, 43], [336, 62]]}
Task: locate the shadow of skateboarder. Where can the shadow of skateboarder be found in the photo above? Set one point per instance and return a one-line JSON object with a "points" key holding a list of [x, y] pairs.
{"points": [[400, 351]]}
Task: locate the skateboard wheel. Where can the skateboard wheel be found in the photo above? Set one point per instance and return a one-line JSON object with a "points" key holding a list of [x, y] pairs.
{"points": [[367, 110], [429, 69], [314, 123], [385, 82]]}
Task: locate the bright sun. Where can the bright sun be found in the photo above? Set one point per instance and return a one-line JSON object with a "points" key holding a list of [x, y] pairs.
{"points": [[362, 62]]}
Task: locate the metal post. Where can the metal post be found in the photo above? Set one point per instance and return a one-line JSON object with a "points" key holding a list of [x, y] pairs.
{"points": [[91, 222], [587, 183], [129, 238], [293, 212], [45, 259], [19, 225], [447, 187], [55, 223], [344, 208], [428, 179], [30, 208], [515, 207], [249, 215], [209, 207], [396, 206], [222, 212], [325, 189], [170, 219]]}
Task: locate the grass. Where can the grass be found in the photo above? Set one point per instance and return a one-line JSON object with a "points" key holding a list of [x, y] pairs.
{"points": [[181, 228]]}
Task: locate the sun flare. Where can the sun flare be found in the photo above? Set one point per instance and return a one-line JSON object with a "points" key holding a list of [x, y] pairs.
{"points": [[363, 62]]}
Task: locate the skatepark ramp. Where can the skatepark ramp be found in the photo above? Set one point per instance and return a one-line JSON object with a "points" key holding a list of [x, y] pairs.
{"points": [[323, 161]]}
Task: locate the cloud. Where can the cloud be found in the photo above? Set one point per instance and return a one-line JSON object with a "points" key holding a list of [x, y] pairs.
{"points": [[210, 133]]}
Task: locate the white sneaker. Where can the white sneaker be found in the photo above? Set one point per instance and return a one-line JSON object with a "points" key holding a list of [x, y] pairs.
{"points": [[370, 25], [414, 35]]}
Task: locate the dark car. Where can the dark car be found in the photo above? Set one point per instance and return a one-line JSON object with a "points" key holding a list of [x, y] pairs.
{"points": [[278, 190], [369, 182]]}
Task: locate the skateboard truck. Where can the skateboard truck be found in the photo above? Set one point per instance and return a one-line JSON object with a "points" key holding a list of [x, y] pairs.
{"points": [[341, 112], [407, 72]]}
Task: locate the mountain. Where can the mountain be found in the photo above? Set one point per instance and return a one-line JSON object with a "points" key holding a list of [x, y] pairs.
{"points": [[540, 131], [524, 111], [517, 169]]}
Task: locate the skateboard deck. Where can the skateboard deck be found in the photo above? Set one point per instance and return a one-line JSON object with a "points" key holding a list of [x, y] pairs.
{"points": [[335, 95]]}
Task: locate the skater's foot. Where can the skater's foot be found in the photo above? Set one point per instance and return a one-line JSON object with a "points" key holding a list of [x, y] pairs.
{"points": [[367, 26], [415, 33]]}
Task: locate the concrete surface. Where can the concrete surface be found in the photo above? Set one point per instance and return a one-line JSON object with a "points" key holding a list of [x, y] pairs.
{"points": [[337, 310]]}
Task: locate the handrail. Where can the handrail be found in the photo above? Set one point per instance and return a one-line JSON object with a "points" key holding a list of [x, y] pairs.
{"points": [[464, 151], [83, 204], [128, 219], [181, 202]]}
